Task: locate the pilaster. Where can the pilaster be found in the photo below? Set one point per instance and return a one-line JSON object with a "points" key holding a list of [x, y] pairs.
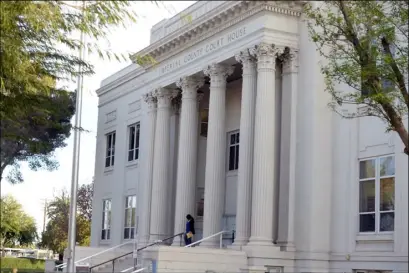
{"points": [[147, 167], [161, 191], [288, 149]]}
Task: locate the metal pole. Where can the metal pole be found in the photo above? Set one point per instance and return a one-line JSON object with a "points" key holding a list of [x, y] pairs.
{"points": [[75, 162]]}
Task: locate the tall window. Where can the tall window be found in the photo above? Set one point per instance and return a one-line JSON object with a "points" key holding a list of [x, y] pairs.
{"points": [[233, 144], [106, 219], [130, 208], [110, 150], [377, 194], [133, 147]]}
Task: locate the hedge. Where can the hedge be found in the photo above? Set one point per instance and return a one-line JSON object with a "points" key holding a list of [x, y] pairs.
{"points": [[22, 264]]}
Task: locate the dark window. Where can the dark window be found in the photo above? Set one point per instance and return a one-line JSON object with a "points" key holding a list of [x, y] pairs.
{"points": [[110, 150], [133, 147], [233, 150]]}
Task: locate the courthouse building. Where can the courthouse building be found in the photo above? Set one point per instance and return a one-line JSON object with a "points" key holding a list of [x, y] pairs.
{"points": [[228, 121]]}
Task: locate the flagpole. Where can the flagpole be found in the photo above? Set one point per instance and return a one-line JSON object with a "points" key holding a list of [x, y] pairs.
{"points": [[75, 160]]}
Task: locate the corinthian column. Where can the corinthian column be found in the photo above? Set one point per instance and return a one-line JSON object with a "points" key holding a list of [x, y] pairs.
{"points": [[161, 192], [147, 167], [215, 173], [288, 148], [245, 175], [263, 190], [187, 156]]}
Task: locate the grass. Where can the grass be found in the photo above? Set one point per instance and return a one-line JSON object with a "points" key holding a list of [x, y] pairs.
{"points": [[23, 265]]}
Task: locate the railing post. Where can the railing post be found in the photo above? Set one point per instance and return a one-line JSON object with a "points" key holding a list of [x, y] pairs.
{"points": [[221, 240], [180, 235], [113, 266]]}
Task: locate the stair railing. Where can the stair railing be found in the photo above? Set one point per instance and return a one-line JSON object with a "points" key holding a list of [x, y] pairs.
{"points": [[63, 265], [220, 234], [129, 253]]}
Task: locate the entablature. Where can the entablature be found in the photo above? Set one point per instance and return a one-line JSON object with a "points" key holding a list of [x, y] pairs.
{"points": [[222, 16]]}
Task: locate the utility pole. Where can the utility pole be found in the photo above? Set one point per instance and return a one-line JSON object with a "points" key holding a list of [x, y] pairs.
{"points": [[45, 213], [75, 160]]}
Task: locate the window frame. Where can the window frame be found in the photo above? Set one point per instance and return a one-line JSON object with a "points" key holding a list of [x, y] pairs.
{"points": [[106, 213], [110, 149], [377, 180], [137, 140], [237, 148], [125, 225]]}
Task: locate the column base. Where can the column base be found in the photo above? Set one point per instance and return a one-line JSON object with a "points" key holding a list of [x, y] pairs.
{"points": [[260, 241], [288, 247], [239, 243]]}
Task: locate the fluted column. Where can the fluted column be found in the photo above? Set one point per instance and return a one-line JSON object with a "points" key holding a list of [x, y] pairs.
{"points": [[187, 156], [215, 173], [161, 192], [148, 132], [288, 149], [245, 173], [263, 190]]}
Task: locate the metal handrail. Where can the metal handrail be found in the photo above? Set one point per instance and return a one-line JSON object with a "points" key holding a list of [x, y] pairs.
{"points": [[96, 254], [139, 249], [220, 233]]}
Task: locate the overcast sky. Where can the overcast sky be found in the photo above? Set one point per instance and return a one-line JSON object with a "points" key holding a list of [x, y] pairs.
{"points": [[40, 185]]}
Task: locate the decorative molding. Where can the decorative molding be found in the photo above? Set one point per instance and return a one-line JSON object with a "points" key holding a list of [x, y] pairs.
{"points": [[189, 86], [217, 70], [165, 96], [266, 55], [248, 61], [134, 106], [290, 61], [150, 100], [202, 29], [111, 116]]}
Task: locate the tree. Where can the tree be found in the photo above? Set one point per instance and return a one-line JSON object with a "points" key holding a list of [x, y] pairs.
{"points": [[16, 227], [365, 46], [55, 237], [38, 55]]}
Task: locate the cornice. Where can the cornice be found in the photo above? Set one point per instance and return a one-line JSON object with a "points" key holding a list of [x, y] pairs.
{"points": [[206, 26]]}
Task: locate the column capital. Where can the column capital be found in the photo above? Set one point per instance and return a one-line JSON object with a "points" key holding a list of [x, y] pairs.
{"points": [[290, 61], [150, 100], [247, 60], [218, 70], [189, 86], [266, 55], [164, 96]]}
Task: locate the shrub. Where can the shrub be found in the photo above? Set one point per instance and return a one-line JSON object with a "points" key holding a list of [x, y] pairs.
{"points": [[22, 264]]}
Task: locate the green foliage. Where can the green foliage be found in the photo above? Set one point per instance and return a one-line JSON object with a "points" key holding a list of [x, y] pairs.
{"points": [[16, 227], [365, 46], [55, 236], [34, 265], [39, 44]]}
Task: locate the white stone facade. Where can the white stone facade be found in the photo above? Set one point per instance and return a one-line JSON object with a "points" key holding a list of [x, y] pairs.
{"points": [[288, 183]]}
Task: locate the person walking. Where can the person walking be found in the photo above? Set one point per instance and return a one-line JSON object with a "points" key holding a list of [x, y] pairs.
{"points": [[190, 229]]}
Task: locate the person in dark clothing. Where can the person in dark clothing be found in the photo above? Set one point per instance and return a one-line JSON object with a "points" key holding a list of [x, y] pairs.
{"points": [[190, 229]]}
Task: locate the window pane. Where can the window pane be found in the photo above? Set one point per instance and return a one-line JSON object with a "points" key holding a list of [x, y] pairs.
{"points": [[130, 155], [109, 141], [132, 233], [367, 222], [126, 233], [137, 137], [238, 138], [108, 234], [131, 137], [112, 160], [387, 165], [103, 234], [134, 201], [387, 221], [136, 153], [367, 196], [367, 169], [387, 198], [132, 224], [232, 138], [231, 158], [203, 129], [113, 139], [237, 157]]}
